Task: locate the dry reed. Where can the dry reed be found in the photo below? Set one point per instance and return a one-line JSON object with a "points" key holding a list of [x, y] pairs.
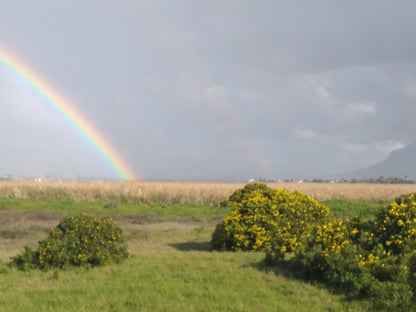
{"points": [[198, 193]]}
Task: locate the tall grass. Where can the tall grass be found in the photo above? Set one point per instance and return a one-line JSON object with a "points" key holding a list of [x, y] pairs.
{"points": [[189, 192]]}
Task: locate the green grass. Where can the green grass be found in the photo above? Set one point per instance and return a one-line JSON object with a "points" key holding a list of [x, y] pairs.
{"points": [[176, 281], [343, 208], [338, 207], [172, 268], [112, 208]]}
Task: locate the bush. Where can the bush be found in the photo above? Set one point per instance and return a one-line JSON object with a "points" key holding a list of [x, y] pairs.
{"points": [[375, 260], [241, 194], [263, 217], [77, 241], [395, 225]]}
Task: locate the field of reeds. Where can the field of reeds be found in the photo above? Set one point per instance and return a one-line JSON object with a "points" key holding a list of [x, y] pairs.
{"points": [[197, 193]]}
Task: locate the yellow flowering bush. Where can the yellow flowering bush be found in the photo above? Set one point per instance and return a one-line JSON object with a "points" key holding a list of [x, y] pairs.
{"points": [[240, 194], [77, 241], [374, 259], [263, 217], [395, 226]]}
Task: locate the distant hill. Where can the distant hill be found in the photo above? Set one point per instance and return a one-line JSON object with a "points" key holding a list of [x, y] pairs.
{"points": [[400, 163]]}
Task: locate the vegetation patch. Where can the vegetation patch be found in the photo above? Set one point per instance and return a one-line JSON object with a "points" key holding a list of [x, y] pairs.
{"points": [[375, 259], [347, 209], [12, 233], [77, 241], [69, 208], [171, 242], [263, 217]]}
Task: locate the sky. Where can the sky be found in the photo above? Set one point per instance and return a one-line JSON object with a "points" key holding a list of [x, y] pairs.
{"points": [[209, 90]]}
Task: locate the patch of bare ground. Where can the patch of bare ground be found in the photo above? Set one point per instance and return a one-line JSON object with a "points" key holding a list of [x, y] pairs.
{"points": [[153, 234], [20, 228], [146, 234]]}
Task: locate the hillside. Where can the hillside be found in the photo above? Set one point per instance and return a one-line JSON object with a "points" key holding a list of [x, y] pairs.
{"points": [[400, 163]]}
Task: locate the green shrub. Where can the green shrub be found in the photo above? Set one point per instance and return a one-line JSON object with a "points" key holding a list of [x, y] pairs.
{"points": [[76, 241], [395, 225], [391, 296], [375, 260], [241, 194], [263, 217]]}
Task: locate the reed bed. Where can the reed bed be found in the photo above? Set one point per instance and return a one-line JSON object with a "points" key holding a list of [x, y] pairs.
{"points": [[198, 193]]}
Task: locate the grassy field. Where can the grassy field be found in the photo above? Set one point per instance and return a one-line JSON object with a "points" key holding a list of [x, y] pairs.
{"points": [[189, 192], [173, 267]]}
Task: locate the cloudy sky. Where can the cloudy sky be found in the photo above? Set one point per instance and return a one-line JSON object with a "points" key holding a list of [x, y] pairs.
{"points": [[209, 90]]}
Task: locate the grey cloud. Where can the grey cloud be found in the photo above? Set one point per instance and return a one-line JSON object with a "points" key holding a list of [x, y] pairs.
{"points": [[212, 90]]}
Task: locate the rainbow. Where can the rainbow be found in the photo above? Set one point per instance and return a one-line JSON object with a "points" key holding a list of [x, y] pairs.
{"points": [[70, 114]]}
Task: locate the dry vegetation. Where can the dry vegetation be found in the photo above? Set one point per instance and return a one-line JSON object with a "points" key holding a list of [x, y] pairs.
{"points": [[189, 192]]}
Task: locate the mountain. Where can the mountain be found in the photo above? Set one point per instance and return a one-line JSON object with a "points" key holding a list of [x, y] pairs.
{"points": [[400, 163]]}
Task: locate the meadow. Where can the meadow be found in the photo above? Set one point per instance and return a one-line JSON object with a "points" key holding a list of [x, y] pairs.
{"points": [[198, 193], [168, 228]]}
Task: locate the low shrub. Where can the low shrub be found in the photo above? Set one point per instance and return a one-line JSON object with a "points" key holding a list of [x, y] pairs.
{"points": [[264, 217], [245, 193], [375, 260], [77, 241], [395, 225]]}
